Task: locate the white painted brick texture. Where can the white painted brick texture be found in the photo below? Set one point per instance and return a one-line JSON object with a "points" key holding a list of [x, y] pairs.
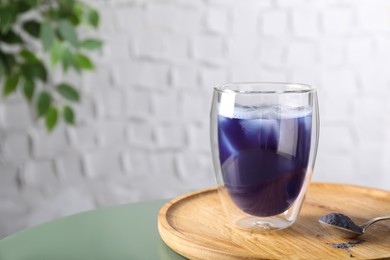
{"points": [[275, 23], [143, 130]]}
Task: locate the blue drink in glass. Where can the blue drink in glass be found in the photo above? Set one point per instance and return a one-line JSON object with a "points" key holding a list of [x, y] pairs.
{"points": [[264, 156]]}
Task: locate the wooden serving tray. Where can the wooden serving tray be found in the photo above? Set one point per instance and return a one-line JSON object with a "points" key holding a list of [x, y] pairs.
{"points": [[194, 225]]}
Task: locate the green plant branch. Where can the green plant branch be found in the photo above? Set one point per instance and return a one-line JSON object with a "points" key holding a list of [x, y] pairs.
{"points": [[60, 46]]}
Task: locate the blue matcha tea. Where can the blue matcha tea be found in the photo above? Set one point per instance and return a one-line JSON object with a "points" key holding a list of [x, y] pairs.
{"points": [[264, 154]]}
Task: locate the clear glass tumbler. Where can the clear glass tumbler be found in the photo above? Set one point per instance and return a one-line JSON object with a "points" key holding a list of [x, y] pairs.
{"points": [[264, 139]]}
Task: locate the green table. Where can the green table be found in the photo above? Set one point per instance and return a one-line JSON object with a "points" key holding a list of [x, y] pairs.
{"points": [[122, 232]]}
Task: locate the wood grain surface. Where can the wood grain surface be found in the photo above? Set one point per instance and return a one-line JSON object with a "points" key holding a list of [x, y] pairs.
{"points": [[194, 225]]}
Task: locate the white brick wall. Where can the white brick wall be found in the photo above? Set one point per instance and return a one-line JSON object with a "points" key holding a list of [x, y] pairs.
{"points": [[339, 20], [15, 113], [208, 49], [305, 22], [143, 130], [275, 23]]}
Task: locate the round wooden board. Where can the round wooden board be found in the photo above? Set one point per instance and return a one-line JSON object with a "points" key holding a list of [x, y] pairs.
{"points": [[194, 225]]}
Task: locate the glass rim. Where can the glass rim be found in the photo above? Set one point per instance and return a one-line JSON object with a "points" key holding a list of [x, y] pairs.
{"points": [[277, 88]]}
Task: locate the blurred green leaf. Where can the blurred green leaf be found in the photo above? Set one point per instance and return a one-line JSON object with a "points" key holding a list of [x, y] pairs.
{"points": [[22, 6], [68, 32], [28, 56], [67, 59], [28, 89], [31, 3], [8, 61], [68, 92], [32, 27], [79, 12], [2, 69], [93, 18], [67, 5], [43, 104], [34, 70], [91, 44], [47, 35], [40, 71], [83, 62], [55, 53], [7, 18], [67, 10], [28, 70], [74, 19], [69, 115], [10, 84], [10, 37], [51, 118]]}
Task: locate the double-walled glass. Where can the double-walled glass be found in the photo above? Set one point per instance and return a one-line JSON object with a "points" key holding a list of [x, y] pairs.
{"points": [[264, 140]]}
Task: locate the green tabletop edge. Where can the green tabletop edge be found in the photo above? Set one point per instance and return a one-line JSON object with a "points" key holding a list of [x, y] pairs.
{"points": [[122, 232]]}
